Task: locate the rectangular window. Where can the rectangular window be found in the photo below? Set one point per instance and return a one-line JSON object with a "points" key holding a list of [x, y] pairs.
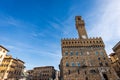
{"points": [[68, 71], [106, 64], [99, 58], [78, 71], [85, 72], [76, 53], [92, 71]]}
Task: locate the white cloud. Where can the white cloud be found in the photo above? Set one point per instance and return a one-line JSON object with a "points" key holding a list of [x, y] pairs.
{"points": [[108, 24], [6, 20]]}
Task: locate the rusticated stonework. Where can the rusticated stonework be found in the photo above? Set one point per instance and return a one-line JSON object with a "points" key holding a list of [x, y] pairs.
{"points": [[85, 58], [42, 73]]}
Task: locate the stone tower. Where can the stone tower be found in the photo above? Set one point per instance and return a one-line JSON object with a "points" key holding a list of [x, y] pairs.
{"points": [[80, 26], [85, 58]]}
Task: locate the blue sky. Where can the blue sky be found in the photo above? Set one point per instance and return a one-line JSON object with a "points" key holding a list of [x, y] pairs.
{"points": [[32, 29]]}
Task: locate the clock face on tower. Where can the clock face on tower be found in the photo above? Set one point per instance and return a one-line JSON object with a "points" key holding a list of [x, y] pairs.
{"points": [[84, 37]]}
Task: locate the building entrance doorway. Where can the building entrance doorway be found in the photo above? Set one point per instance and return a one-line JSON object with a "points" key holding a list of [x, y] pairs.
{"points": [[105, 76]]}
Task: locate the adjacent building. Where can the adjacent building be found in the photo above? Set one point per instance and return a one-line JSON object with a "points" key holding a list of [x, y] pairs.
{"points": [[85, 58], [24, 75], [11, 68], [115, 58], [3, 52], [42, 73], [30, 74], [57, 76]]}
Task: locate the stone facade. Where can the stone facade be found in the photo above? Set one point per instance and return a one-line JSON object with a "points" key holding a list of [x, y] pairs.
{"points": [[42, 73], [11, 69], [3, 52], [57, 75], [115, 58], [85, 58], [30, 75]]}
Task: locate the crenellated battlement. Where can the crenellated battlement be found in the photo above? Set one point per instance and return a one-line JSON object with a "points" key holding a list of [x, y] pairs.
{"points": [[77, 42], [84, 56], [81, 39]]}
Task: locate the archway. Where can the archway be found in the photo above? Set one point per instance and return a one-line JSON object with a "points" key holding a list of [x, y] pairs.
{"points": [[105, 76]]}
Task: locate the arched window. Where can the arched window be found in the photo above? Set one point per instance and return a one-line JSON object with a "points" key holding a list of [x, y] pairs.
{"points": [[78, 64], [76, 53], [81, 53], [71, 53], [67, 64], [73, 64], [66, 53], [96, 53], [98, 58], [101, 53]]}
